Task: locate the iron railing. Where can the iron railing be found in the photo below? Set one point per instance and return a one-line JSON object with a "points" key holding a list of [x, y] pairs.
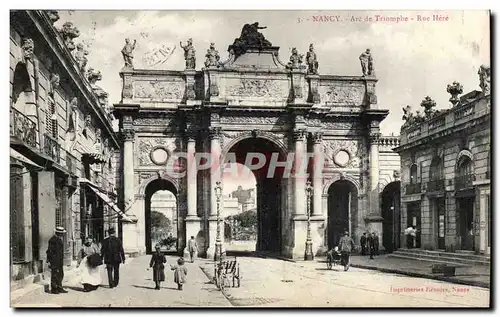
{"points": [[22, 128], [413, 188], [435, 185], [464, 181], [52, 148]]}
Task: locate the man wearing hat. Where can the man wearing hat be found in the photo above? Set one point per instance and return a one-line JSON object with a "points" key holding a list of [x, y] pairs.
{"points": [[55, 261], [346, 245], [113, 254]]}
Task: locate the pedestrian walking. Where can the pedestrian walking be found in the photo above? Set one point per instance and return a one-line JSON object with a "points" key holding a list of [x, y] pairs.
{"points": [[375, 243], [113, 254], [371, 245], [90, 256], [55, 261], [363, 244], [180, 273], [192, 248], [157, 263], [410, 234], [346, 245]]}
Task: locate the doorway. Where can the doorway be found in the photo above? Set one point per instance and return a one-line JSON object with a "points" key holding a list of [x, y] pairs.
{"points": [[342, 205]]}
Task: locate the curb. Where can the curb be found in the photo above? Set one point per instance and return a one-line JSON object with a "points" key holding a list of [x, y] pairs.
{"points": [[424, 275]]}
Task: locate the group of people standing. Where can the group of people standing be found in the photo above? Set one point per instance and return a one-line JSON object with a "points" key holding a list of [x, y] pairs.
{"points": [[369, 244], [91, 256]]}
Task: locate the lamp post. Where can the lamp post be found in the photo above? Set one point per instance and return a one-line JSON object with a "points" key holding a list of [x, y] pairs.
{"points": [[218, 241], [308, 254]]}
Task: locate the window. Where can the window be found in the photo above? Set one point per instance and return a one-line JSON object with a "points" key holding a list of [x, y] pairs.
{"points": [[413, 174], [52, 127], [436, 170], [464, 166]]}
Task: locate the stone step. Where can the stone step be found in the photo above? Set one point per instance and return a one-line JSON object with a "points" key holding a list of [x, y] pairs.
{"points": [[430, 261], [450, 257], [462, 254]]}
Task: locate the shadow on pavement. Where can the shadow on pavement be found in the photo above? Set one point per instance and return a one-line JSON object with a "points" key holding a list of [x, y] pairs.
{"points": [[145, 287]]}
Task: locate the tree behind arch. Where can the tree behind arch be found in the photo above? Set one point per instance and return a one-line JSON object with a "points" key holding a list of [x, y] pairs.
{"points": [[160, 221]]}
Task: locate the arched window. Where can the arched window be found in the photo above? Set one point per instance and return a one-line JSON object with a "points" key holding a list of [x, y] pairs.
{"points": [[436, 175], [413, 174], [464, 166], [436, 170], [21, 88]]}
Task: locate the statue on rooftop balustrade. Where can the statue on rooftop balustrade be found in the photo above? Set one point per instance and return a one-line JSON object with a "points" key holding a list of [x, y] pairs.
{"points": [[250, 36]]}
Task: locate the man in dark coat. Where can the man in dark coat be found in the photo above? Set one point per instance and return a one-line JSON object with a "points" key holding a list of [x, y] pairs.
{"points": [[363, 244], [375, 243], [371, 245], [113, 255], [55, 261]]}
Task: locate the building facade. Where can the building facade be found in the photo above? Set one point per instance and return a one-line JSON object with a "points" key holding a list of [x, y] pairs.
{"points": [[63, 151], [253, 102], [446, 171]]}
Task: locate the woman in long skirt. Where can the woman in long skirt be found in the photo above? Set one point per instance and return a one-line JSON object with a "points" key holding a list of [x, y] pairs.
{"points": [[90, 275], [157, 263]]}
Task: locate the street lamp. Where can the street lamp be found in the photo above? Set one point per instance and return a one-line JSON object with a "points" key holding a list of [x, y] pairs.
{"points": [[308, 254], [218, 241]]}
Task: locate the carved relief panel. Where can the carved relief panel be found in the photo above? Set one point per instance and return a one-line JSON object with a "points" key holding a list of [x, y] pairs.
{"points": [[256, 88], [343, 94], [158, 90], [155, 151], [343, 153]]}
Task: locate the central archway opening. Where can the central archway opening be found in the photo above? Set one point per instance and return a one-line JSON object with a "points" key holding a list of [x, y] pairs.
{"points": [[342, 206], [391, 212], [161, 215], [258, 156]]}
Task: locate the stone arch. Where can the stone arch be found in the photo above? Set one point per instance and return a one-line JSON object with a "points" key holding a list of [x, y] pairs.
{"points": [[384, 182], [343, 199], [390, 206], [338, 177], [254, 134], [142, 187]]}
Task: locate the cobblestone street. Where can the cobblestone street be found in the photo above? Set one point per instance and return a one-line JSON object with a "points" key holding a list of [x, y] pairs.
{"points": [[270, 282], [136, 289]]}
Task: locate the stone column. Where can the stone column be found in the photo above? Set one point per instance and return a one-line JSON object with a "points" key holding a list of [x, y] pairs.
{"points": [[317, 182], [317, 213], [130, 234], [215, 176], [300, 170], [299, 194], [192, 219], [374, 214]]}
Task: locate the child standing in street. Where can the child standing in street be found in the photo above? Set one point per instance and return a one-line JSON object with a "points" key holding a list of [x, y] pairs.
{"points": [[156, 263], [180, 273]]}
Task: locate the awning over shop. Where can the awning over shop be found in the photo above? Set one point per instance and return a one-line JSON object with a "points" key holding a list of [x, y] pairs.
{"points": [[18, 156], [93, 153], [106, 199]]}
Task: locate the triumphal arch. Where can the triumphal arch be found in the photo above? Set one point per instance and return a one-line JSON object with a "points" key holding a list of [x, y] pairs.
{"points": [[253, 103]]}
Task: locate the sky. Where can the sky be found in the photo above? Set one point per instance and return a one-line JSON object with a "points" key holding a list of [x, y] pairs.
{"points": [[412, 59]]}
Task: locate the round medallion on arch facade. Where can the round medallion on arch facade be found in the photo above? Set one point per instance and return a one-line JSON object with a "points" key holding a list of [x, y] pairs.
{"points": [[341, 158], [159, 155]]}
